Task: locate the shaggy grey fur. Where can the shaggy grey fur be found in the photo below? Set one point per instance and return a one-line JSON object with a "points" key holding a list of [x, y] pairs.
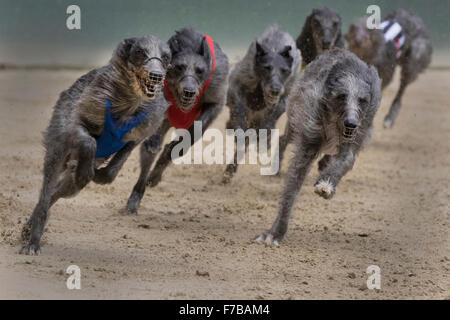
{"points": [[78, 118], [321, 31], [260, 83], [370, 46], [191, 65], [330, 111]]}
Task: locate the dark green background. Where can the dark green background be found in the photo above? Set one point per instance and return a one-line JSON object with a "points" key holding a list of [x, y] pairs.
{"points": [[34, 31]]}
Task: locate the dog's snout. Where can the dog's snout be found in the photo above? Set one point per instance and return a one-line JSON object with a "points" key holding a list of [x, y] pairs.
{"points": [[188, 92], [351, 123], [326, 44], [275, 91], [156, 76]]}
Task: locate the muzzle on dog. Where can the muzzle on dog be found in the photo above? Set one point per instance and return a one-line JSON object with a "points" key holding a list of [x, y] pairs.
{"points": [[152, 84], [350, 129]]}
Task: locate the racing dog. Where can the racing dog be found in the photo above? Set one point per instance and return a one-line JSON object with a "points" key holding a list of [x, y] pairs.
{"points": [[330, 111], [195, 87], [321, 31], [102, 116], [260, 83], [401, 40]]}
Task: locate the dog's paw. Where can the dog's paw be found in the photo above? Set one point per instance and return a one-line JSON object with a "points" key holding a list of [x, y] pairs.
{"points": [[268, 238], [154, 180], [31, 250], [388, 123], [103, 176], [133, 203], [324, 188]]}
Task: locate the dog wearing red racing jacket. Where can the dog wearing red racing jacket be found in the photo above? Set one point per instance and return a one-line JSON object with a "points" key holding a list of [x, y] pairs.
{"points": [[195, 87]]}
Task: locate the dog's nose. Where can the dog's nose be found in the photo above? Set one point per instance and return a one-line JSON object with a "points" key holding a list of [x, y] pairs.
{"points": [[275, 92], [326, 44], [156, 76], [189, 92], [350, 123]]}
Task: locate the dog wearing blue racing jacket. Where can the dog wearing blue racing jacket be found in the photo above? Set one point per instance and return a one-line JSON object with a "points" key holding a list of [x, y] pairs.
{"points": [[99, 120]]}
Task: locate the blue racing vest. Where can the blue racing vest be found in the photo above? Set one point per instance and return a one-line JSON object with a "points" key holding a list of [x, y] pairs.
{"points": [[111, 139]]}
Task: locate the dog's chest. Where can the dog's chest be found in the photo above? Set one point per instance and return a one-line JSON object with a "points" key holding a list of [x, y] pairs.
{"points": [[255, 99], [332, 141]]}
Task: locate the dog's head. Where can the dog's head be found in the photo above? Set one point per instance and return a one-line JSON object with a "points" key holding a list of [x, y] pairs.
{"points": [[325, 28], [272, 67], [190, 67], [352, 93], [146, 59], [360, 39]]}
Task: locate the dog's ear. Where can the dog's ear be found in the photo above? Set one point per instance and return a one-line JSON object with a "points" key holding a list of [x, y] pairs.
{"points": [[285, 52], [124, 48], [204, 50], [260, 49]]}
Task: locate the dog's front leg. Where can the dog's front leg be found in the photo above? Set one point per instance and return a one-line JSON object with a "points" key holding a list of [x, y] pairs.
{"points": [[238, 120], [148, 151], [109, 173], [332, 170], [87, 146], [209, 113], [298, 169]]}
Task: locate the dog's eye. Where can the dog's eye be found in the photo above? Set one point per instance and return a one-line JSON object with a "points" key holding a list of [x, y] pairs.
{"points": [[140, 53], [341, 97], [165, 58], [199, 71], [179, 67], [363, 101], [285, 71], [268, 68]]}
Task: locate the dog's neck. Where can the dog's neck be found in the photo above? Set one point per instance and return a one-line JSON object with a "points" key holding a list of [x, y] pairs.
{"points": [[126, 96]]}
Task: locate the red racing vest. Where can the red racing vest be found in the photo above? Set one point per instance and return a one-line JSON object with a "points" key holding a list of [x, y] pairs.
{"points": [[177, 117]]}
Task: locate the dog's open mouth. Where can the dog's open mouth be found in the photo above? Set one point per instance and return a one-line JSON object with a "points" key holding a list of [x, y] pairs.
{"points": [[349, 133], [187, 100], [271, 99], [152, 84]]}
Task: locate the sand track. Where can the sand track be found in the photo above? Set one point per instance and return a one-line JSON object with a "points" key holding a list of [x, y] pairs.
{"points": [[191, 239]]}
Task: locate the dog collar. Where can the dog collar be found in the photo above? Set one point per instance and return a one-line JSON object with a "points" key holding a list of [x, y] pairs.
{"points": [[177, 117]]}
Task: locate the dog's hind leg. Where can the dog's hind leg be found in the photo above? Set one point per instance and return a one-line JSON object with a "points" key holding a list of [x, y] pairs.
{"points": [[209, 114], [417, 60], [298, 169], [148, 151], [34, 228], [332, 169]]}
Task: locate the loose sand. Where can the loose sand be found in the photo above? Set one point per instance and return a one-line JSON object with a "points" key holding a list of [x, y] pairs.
{"points": [[192, 236]]}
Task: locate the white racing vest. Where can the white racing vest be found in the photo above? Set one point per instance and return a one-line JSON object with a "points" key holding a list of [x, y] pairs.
{"points": [[392, 31]]}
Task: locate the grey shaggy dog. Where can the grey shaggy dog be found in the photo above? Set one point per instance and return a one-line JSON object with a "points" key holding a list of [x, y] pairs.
{"points": [[321, 31], [415, 56], [330, 111], [190, 67], [70, 140], [260, 83]]}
